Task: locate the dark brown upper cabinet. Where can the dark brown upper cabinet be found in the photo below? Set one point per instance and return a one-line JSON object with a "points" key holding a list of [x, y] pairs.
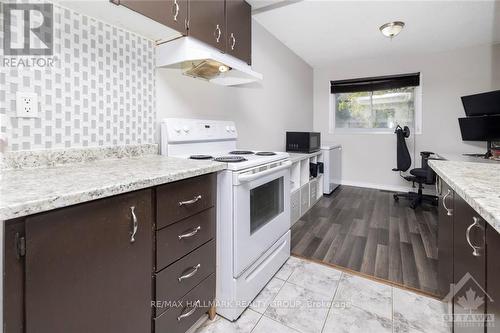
{"points": [[89, 267], [239, 30], [172, 13], [207, 22]]}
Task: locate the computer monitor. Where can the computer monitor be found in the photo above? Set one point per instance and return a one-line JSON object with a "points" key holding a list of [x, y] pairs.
{"points": [[480, 128], [482, 104]]}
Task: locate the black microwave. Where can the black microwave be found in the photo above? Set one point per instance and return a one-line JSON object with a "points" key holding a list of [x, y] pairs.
{"points": [[303, 142]]}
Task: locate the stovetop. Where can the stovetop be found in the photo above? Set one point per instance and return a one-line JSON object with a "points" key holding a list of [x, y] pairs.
{"points": [[240, 159]]}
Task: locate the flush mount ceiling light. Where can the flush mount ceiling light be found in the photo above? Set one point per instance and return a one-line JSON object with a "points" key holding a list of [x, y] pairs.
{"points": [[392, 29]]}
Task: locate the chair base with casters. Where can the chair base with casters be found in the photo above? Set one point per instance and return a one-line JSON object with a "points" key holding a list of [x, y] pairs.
{"points": [[417, 198]]}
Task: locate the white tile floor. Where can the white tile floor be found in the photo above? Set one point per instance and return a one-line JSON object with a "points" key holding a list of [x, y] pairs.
{"points": [[305, 297]]}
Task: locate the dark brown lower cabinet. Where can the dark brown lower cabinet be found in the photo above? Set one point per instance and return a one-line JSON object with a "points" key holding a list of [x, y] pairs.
{"points": [[100, 267], [178, 319], [14, 277], [493, 277], [445, 238], [469, 272], [89, 267]]}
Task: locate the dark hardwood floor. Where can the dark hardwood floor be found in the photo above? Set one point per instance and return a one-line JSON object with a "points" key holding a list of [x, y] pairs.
{"points": [[366, 231]]}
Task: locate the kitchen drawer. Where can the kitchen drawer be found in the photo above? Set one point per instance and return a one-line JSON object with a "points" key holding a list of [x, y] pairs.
{"points": [[295, 206], [178, 239], [313, 188], [195, 267], [178, 200], [203, 295], [304, 199]]}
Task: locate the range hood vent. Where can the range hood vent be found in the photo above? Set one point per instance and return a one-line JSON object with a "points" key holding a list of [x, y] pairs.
{"points": [[199, 60]]}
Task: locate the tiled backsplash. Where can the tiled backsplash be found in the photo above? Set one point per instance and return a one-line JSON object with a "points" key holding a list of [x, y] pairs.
{"points": [[99, 92]]}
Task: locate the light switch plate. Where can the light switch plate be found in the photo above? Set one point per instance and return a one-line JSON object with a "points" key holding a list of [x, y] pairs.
{"points": [[27, 105]]}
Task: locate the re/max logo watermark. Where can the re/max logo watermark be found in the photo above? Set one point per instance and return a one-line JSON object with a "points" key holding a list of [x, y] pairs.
{"points": [[28, 39]]}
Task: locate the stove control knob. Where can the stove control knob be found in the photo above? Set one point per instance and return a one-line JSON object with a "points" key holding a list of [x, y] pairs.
{"points": [[177, 129], [228, 128], [186, 129], [233, 129]]}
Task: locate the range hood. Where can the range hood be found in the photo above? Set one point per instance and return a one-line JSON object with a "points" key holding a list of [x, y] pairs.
{"points": [[199, 60]]}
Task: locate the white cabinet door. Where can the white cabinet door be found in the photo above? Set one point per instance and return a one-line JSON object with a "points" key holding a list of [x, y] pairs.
{"points": [[313, 188], [304, 199], [295, 206]]}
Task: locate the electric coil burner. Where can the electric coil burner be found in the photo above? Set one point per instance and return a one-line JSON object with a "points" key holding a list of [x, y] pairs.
{"points": [[230, 159], [265, 153], [241, 152], [201, 157]]}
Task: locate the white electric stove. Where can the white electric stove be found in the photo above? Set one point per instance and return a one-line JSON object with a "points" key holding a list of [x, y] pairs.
{"points": [[253, 207]]}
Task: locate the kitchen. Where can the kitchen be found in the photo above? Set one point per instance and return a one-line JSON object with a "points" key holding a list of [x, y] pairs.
{"points": [[104, 210]]}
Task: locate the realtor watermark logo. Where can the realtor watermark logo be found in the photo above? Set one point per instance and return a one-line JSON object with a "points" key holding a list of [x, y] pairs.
{"points": [[28, 39], [469, 297]]}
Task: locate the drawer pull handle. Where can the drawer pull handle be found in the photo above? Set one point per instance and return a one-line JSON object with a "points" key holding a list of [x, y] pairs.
{"points": [[449, 211], [475, 249], [135, 225], [190, 312], [190, 202], [190, 274], [191, 233]]}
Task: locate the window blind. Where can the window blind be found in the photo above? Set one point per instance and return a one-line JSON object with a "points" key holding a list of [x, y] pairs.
{"points": [[375, 83]]}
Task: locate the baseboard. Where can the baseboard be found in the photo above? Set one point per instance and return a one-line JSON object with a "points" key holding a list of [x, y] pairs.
{"points": [[429, 189], [384, 187]]}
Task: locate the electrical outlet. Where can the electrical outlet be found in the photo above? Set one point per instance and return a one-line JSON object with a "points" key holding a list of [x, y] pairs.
{"points": [[27, 105]]}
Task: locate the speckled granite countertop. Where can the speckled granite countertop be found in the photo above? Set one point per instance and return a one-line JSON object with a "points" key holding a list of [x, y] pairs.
{"points": [[28, 191], [477, 183]]}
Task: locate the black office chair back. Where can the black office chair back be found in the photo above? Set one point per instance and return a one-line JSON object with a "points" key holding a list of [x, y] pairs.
{"points": [[403, 155]]}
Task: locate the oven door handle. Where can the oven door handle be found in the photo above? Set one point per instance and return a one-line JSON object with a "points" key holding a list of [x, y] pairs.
{"points": [[250, 177]]}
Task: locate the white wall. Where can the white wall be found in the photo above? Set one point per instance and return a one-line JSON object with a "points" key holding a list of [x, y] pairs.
{"points": [[369, 158], [262, 111]]}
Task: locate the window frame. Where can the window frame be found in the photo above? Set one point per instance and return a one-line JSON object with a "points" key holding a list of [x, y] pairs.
{"points": [[417, 117]]}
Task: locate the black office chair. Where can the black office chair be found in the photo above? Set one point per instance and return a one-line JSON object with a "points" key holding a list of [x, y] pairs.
{"points": [[423, 175]]}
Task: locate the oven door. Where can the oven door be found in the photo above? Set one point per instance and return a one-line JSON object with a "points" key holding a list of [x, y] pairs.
{"points": [[261, 213]]}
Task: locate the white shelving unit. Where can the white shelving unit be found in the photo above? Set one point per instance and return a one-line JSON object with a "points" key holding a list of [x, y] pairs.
{"points": [[306, 190]]}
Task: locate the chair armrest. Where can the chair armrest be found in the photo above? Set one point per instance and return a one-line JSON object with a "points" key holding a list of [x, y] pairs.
{"points": [[426, 153]]}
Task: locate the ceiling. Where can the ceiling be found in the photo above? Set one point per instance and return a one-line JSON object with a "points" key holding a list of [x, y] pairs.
{"points": [[322, 32]]}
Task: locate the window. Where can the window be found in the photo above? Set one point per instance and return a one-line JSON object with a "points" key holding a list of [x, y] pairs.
{"points": [[376, 104]]}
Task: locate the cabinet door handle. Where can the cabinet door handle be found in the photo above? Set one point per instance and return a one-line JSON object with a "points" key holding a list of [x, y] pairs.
{"points": [[190, 202], [475, 249], [190, 234], [190, 312], [175, 10], [135, 225], [217, 33], [449, 211], [194, 270], [234, 41]]}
